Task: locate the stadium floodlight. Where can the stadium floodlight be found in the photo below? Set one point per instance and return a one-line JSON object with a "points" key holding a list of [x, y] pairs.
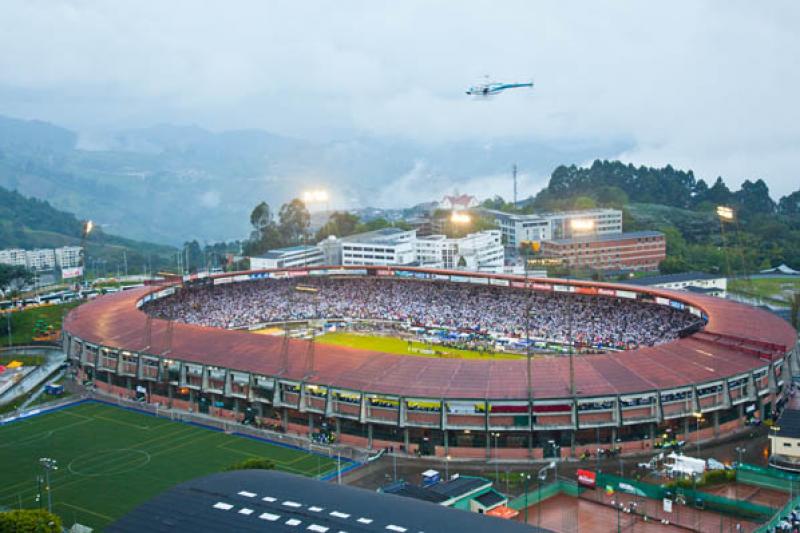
{"points": [[460, 218], [725, 213], [581, 224], [315, 196]]}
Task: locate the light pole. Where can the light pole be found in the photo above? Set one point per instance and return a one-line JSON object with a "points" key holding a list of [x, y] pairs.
{"points": [[542, 476], [496, 435], [699, 417], [725, 214], [48, 465], [446, 467], [526, 477], [88, 226], [739, 451]]}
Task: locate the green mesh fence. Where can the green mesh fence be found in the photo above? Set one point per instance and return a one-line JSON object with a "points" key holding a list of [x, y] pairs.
{"points": [[740, 508], [778, 516], [770, 478], [548, 491]]}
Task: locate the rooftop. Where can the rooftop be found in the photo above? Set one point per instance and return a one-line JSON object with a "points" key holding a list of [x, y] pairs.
{"points": [[673, 278], [788, 424], [383, 235], [459, 486], [280, 252], [609, 237], [266, 500]]}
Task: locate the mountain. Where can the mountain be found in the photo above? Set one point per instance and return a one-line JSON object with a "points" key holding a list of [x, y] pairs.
{"points": [[30, 223], [172, 184]]}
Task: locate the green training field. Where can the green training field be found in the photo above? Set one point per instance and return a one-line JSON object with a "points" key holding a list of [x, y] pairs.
{"points": [[112, 459], [400, 346]]}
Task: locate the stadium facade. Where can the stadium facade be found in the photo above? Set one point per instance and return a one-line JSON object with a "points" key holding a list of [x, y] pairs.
{"points": [[698, 387]]}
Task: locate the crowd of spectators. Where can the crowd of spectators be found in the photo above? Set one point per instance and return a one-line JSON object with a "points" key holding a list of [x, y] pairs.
{"points": [[489, 310]]}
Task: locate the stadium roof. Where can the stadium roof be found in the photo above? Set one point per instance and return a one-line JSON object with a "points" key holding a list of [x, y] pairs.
{"points": [[265, 500], [608, 237], [114, 320], [673, 278]]}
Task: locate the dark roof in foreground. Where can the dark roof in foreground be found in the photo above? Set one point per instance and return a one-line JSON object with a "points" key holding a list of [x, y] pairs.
{"points": [[788, 424], [265, 500]]}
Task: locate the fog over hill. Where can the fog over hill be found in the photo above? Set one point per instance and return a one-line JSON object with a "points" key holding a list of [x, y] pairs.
{"points": [[171, 183]]}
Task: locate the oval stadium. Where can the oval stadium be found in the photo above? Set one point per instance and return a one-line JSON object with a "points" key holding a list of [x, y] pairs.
{"points": [[452, 363]]}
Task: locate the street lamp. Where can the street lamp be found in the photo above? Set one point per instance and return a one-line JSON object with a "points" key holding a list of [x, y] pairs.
{"points": [[496, 435], [526, 478], [48, 465], [446, 467], [699, 417]]}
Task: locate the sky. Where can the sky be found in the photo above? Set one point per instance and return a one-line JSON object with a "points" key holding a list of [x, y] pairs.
{"points": [[708, 86]]}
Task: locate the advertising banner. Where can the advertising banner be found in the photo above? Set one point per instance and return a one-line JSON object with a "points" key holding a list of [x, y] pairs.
{"points": [[587, 478], [69, 273]]}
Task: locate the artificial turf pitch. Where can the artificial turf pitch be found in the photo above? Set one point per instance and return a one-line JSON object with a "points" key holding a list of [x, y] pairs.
{"points": [[111, 459]]}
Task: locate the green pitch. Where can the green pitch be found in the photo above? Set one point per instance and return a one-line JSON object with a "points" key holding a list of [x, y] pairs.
{"points": [[112, 459], [401, 346]]}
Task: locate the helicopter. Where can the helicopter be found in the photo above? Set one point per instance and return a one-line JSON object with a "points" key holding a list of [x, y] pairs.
{"points": [[490, 88]]}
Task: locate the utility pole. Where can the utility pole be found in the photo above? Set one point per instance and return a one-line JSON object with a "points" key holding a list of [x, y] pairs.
{"points": [[125, 260], [514, 172]]}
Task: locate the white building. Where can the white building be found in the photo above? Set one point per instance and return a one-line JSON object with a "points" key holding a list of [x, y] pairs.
{"points": [[295, 256], [711, 284], [482, 251], [517, 228], [42, 259], [68, 256], [387, 246], [13, 257]]}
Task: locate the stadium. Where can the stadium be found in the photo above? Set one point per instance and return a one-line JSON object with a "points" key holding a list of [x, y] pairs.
{"points": [[560, 366]]}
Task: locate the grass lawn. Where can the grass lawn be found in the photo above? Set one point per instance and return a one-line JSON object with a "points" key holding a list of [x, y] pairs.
{"points": [[768, 288], [22, 322], [111, 459], [400, 346]]}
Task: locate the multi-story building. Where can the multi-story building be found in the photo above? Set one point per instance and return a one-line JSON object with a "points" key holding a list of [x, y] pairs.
{"points": [[517, 228], [68, 256], [482, 251], [294, 256], [387, 246], [41, 259], [13, 257], [640, 250]]}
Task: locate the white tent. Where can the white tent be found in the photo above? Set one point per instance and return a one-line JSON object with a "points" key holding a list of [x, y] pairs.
{"points": [[783, 269]]}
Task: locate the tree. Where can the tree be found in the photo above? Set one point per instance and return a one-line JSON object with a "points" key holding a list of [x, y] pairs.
{"points": [[14, 277], [265, 235], [339, 224], [790, 205], [261, 217], [294, 220], [29, 520]]}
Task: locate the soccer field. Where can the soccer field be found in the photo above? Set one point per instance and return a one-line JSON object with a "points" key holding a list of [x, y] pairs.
{"points": [[112, 459], [400, 346]]}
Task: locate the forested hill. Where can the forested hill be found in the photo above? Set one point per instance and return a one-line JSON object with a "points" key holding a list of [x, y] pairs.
{"points": [[766, 232], [609, 181], [30, 223]]}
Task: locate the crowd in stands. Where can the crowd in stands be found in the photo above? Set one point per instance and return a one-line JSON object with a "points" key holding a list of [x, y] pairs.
{"points": [[495, 311]]}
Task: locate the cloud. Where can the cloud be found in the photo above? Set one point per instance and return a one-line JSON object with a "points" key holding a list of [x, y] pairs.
{"points": [[693, 83]]}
